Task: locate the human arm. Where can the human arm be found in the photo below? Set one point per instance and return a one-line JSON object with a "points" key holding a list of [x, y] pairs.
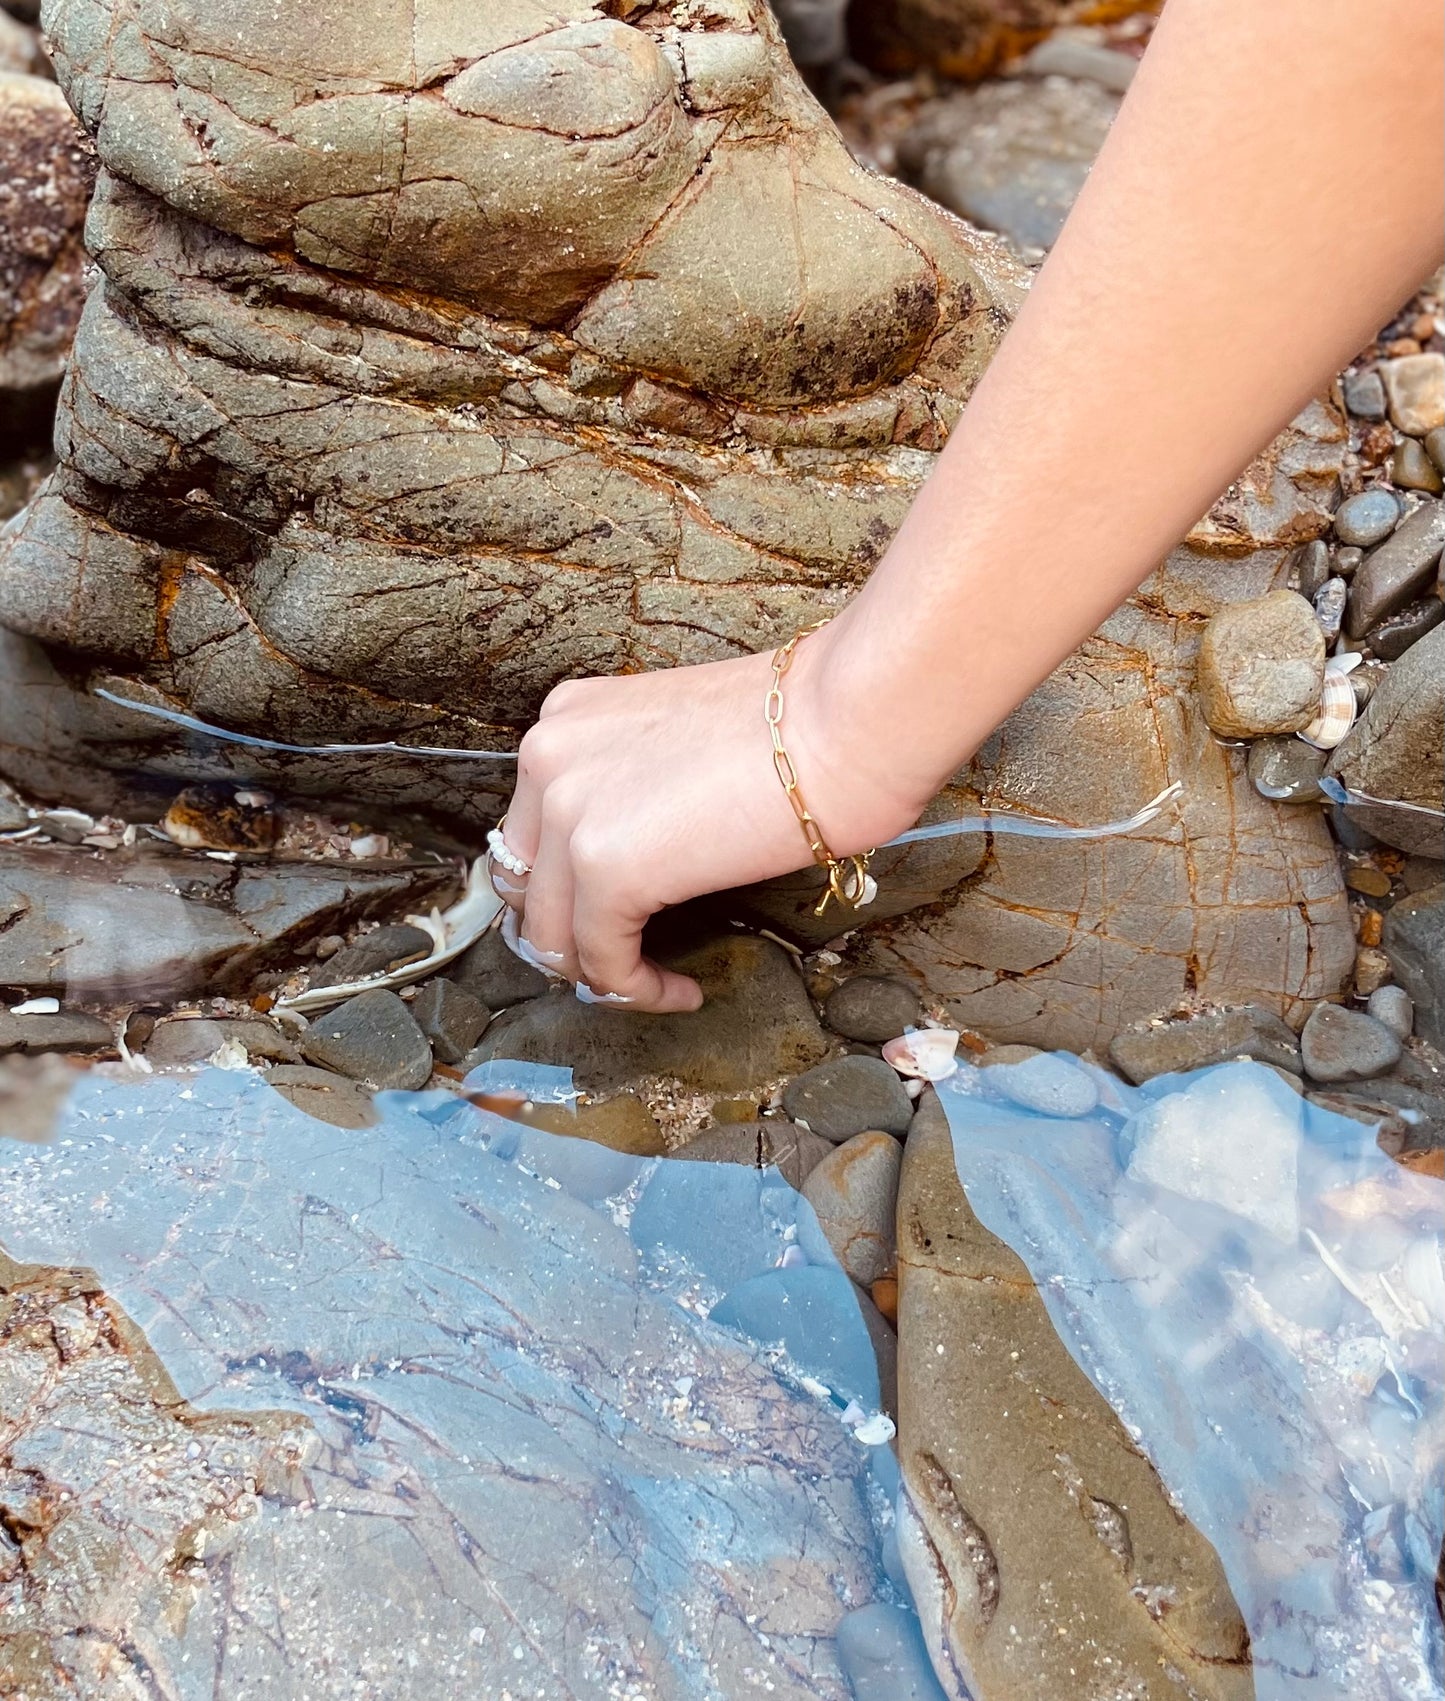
{"points": [[1270, 191]]}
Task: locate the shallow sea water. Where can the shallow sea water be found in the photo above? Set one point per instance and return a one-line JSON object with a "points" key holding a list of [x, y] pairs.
{"points": [[576, 1424]]}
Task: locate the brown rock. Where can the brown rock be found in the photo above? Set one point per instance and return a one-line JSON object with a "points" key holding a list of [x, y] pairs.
{"points": [[1261, 665], [961, 38], [406, 482], [756, 1026], [1032, 1511], [47, 169], [1415, 385]]}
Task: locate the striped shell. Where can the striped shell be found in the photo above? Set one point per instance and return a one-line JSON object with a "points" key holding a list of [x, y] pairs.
{"points": [[1337, 712], [927, 1054]]}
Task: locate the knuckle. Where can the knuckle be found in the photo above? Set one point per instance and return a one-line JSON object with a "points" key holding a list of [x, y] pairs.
{"points": [[562, 697]]}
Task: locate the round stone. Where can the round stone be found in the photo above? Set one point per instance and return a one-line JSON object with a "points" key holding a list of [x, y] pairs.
{"points": [[1049, 1084], [1367, 519], [1261, 665], [1287, 770], [854, 1195], [873, 1008], [1346, 1045], [1393, 1007], [850, 1095], [1412, 469]]}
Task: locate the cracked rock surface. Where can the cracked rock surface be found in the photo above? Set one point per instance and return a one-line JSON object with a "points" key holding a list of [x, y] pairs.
{"points": [[162, 924], [427, 1425], [530, 342], [451, 360], [1064, 1522]]}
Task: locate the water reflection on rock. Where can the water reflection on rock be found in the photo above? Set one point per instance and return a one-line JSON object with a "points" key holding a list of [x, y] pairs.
{"points": [[419, 1409], [1258, 1292]]}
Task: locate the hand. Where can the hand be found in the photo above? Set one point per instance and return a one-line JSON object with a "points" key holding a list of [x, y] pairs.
{"points": [[640, 792]]}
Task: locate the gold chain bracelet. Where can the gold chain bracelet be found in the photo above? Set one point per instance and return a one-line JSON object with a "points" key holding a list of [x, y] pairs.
{"points": [[849, 881]]}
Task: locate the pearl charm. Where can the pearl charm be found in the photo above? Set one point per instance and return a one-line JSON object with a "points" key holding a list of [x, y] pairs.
{"points": [[500, 854]]}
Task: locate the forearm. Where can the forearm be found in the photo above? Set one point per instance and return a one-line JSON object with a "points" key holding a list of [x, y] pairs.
{"points": [[1236, 243]]}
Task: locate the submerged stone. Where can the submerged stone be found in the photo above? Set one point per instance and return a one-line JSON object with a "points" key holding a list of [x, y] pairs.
{"points": [[451, 1428], [1262, 1307]]}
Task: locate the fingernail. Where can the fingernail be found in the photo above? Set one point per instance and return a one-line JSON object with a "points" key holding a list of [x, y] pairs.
{"points": [[588, 996], [542, 961]]}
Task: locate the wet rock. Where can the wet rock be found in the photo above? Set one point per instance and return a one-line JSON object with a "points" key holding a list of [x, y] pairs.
{"points": [[1415, 387], [799, 1308], [1049, 1084], [1414, 941], [1261, 665], [848, 1096], [854, 1194], [375, 953], [1196, 1042], [990, 1401], [1010, 156], [67, 1030], [1311, 569], [1435, 446], [1346, 1045], [1367, 519], [46, 173], [187, 1043], [756, 1025], [1398, 570], [160, 924], [496, 976], [1365, 394], [450, 1018], [1392, 637], [1396, 751], [792, 1151], [1287, 770], [1412, 469], [873, 1008], [1329, 607], [372, 1038], [621, 1123], [1005, 1054], [332, 1267], [1391, 1006], [881, 1650], [1347, 560], [14, 817]]}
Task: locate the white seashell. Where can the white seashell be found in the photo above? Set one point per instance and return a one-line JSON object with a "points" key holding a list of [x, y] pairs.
{"points": [[1338, 711], [453, 930], [36, 1007], [930, 1054], [876, 1431]]}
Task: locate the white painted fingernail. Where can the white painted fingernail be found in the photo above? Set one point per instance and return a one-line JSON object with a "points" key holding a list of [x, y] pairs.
{"points": [[542, 961], [588, 996]]}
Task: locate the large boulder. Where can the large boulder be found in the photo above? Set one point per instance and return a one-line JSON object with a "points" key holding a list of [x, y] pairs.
{"points": [[426, 367], [1396, 752], [349, 462], [1225, 898], [1037, 1534]]}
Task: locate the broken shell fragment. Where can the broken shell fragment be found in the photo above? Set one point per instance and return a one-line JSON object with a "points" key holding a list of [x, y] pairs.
{"points": [[1339, 708], [928, 1054]]}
